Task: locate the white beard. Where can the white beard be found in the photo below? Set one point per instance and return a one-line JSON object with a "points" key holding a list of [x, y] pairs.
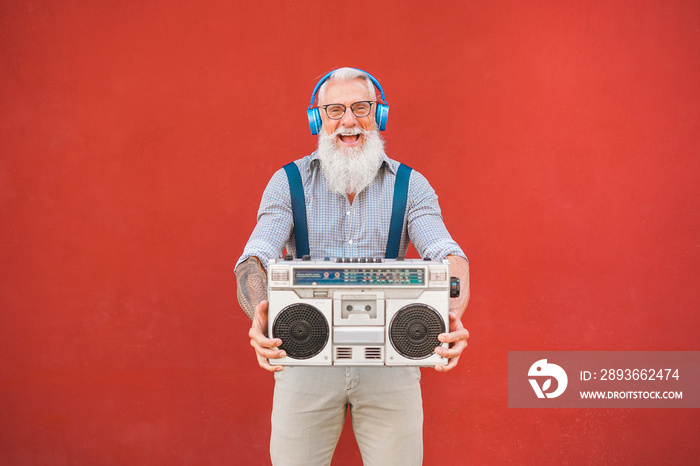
{"points": [[349, 170]]}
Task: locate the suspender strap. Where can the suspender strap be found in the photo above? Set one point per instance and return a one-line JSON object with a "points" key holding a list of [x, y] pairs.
{"points": [[397, 211], [301, 232], [296, 189]]}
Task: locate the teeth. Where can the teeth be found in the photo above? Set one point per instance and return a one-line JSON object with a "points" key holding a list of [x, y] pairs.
{"points": [[350, 132]]}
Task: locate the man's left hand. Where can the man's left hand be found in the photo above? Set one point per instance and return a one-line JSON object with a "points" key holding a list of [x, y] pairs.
{"points": [[457, 339]]}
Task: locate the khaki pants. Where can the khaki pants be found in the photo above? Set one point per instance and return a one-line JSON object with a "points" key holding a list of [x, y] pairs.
{"points": [[309, 409]]}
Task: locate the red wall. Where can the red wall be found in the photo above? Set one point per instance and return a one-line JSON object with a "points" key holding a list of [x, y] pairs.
{"points": [[136, 139]]}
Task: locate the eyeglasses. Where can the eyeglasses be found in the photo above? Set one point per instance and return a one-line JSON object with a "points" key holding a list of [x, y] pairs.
{"points": [[359, 109]]}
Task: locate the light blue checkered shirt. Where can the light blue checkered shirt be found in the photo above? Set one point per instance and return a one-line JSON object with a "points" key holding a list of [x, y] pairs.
{"points": [[340, 229]]}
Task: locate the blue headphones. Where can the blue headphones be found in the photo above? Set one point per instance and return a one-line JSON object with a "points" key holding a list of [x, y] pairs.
{"points": [[314, 114]]}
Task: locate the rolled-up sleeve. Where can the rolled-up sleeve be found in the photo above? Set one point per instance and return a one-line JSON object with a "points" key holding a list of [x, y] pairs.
{"points": [[274, 222], [426, 228]]}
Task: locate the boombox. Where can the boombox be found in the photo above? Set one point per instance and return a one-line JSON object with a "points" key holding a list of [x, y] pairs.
{"points": [[359, 311]]}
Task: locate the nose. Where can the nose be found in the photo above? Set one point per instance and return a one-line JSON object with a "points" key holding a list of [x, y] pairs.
{"points": [[349, 118]]}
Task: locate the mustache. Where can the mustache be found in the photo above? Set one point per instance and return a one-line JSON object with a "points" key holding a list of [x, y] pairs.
{"points": [[351, 132]]}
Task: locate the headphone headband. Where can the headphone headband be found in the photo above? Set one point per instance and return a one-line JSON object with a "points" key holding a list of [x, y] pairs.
{"points": [[328, 75], [314, 115]]}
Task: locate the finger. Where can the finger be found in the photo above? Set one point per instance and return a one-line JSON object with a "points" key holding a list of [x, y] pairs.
{"points": [[265, 364], [262, 307], [259, 337], [450, 365], [455, 322], [457, 335], [452, 351], [260, 317], [267, 352]]}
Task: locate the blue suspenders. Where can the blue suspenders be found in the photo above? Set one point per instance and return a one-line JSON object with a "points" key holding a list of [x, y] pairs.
{"points": [[301, 232], [296, 189], [397, 211]]}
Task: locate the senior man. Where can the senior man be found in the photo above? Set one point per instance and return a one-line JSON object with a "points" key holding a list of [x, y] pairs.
{"points": [[348, 183]]}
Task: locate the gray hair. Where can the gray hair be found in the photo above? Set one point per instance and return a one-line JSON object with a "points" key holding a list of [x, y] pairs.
{"points": [[347, 74]]}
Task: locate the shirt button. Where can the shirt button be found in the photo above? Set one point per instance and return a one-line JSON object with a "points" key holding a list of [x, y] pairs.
{"points": [[350, 242], [347, 213]]}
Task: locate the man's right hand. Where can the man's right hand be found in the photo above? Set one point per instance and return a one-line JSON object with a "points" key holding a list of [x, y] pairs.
{"points": [[265, 348]]}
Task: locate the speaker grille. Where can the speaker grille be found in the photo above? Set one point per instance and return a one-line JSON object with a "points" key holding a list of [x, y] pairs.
{"points": [[373, 353], [343, 352], [414, 330], [303, 330]]}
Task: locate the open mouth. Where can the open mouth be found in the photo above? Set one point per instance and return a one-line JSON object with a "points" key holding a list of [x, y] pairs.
{"points": [[349, 138]]}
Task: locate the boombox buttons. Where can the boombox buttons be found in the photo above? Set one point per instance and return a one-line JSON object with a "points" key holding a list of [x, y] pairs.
{"points": [[359, 311]]}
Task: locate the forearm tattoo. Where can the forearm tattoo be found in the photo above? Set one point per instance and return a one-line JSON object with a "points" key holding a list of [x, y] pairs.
{"points": [[252, 285]]}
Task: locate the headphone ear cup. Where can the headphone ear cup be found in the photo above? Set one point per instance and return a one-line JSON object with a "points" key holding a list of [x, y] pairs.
{"points": [[382, 115], [314, 120]]}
